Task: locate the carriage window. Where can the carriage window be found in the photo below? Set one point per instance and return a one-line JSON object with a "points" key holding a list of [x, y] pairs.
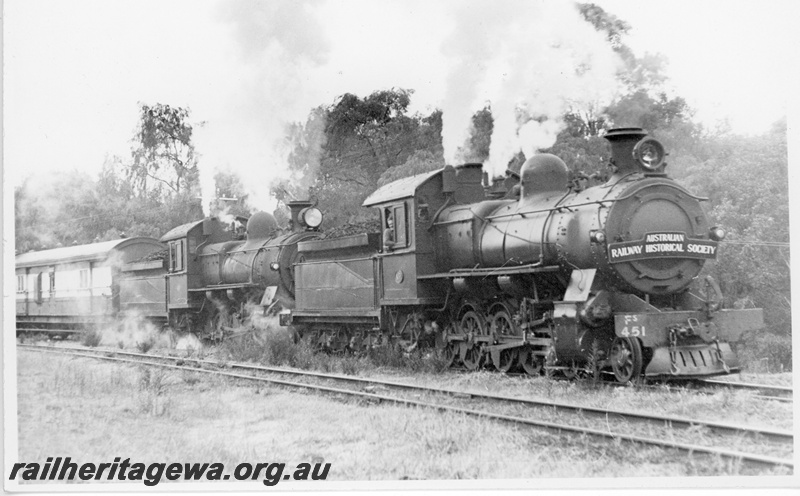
{"points": [[52, 283], [38, 287], [20, 284], [84, 278]]}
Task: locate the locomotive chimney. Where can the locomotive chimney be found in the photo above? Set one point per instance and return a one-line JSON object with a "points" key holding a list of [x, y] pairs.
{"points": [[623, 140], [296, 207]]}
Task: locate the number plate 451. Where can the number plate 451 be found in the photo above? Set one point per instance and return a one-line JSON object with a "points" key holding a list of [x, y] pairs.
{"points": [[632, 327]]}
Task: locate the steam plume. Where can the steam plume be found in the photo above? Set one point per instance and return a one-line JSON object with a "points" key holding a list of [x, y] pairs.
{"points": [[529, 59]]}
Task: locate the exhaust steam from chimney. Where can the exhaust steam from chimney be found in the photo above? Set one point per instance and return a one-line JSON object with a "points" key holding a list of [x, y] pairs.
{"points": [[530, 60]]}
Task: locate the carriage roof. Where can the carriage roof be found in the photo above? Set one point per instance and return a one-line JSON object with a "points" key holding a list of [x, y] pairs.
{"points": [[81, 253]]}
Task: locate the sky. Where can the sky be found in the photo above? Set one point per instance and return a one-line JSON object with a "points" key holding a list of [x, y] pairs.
{"points": [[731, 59], [75, 71]]}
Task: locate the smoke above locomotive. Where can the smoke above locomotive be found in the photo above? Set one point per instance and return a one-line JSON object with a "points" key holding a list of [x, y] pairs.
{"points": [[531, 61]]}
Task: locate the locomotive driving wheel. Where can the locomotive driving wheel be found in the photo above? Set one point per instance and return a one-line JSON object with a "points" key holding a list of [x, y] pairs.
{"points": [[472, 324], [448, 350], [502, 325], [336, 340], [531, 364], [506, 359], [626, 359], [450, 353], [411, 331], [571, 371]]}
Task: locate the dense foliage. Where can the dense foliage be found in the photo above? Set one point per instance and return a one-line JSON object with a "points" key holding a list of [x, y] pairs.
{"points": [[347, 149], [146, 195]]}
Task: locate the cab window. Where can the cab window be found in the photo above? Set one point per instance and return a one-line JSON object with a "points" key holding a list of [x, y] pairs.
{"points": [[177, 255], [400, 226]]}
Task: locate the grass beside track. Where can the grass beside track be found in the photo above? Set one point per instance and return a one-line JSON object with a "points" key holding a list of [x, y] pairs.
{"points": [[92, 411]]}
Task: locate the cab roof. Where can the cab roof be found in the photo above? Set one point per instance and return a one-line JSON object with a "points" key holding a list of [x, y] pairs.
{"points": [[400, 189], [181, 231]]}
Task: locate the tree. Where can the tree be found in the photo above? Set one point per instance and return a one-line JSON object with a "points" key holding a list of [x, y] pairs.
{"points": [[342, 151], [69, 207], [746, 180], [642, 110], [54, 211], [587, 155], [614, 27], [230, 197], [306, 143], [367, 136], [420, 162], [476, 149], [638, 72], [163, 151]]}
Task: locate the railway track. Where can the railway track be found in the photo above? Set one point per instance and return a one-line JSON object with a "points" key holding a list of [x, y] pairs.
{"points": [[766, 391], [707, 386], [633, 427]]}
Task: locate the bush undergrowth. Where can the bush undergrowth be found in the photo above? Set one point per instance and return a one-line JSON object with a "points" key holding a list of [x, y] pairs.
{"points": [[91, 338], [145, 344], [274, 348], [765, 352], [152, 388]]}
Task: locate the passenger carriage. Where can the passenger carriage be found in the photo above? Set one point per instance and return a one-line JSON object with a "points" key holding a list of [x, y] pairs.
{"points": [[66, 290]]}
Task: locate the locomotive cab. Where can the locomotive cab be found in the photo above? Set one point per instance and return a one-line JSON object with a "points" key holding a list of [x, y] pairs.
{"points": [[408, 208], [185, 275]]}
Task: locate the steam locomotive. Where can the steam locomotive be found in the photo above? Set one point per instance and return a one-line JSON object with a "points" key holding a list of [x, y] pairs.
{"points": [[535, 272], [217, 278], [206, 277], [539, 275]]}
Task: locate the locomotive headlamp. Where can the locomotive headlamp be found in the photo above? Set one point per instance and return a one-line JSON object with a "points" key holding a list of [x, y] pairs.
{"points": [[274, 266], [717, 233], [311, 217], [650, 153], [597, 236]]}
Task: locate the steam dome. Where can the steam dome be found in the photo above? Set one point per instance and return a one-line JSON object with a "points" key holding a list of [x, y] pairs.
{"points": [[261, 225], [543, 173]]}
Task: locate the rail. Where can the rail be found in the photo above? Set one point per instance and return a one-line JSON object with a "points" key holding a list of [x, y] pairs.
{"points": [[179, 363]]}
